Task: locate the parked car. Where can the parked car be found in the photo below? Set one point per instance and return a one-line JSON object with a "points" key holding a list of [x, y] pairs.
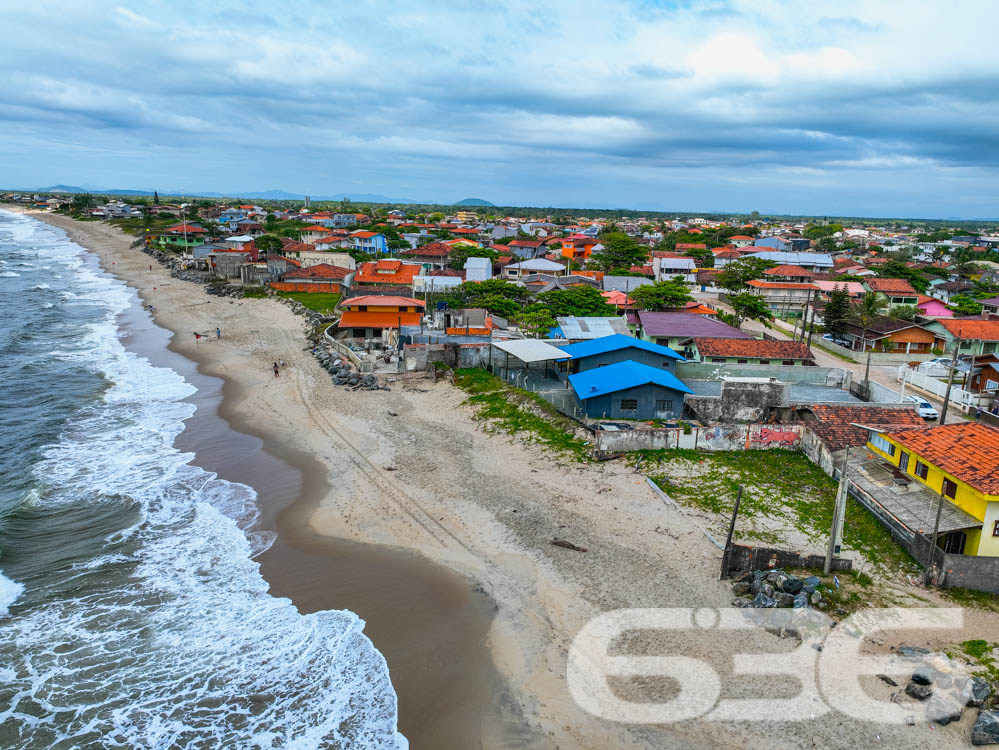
{"points": [[924, 408], [935, 368], [836, 339]]}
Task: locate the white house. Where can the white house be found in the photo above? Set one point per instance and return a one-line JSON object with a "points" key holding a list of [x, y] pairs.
{"points": [[666, 268], [477, 269], [535, 265]]}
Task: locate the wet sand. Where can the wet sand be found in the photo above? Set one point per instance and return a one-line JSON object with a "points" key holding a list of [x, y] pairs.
{"points": [[429, 623]]}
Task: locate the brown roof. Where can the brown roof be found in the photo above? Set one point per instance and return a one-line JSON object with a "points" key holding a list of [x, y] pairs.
{"points": [[890, 286], [968, 451], [721, 347], [833, 424], [387, 272]]}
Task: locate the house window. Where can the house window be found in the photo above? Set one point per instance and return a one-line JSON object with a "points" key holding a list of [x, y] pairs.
{"points": [[995, 529], [788, 362], [953, 543], [949, 488], [629, 404], [764, 361], [742, 361], [903, 461], [882, 444], [663, 405], [718, 359], [920, 471]]}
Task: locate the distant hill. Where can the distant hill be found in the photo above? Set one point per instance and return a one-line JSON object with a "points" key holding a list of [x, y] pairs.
{"points": [[474, 202]]}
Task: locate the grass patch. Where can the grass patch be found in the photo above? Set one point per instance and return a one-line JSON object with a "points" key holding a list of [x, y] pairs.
{"points": [[254, 292], [318, 301], [514, 411], [971, 598], [980, 652], [780, 487]]}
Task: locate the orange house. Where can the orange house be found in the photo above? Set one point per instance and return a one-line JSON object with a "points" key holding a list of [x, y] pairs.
{"points": [[379, 272], [366, 317], [578, 246]]}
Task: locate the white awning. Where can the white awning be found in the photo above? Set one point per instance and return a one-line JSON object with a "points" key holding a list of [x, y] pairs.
{"points": [[531, 350]]}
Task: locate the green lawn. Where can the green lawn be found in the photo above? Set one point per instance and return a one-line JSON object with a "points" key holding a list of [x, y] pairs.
{"points": [[780, 488], [319, 301]]}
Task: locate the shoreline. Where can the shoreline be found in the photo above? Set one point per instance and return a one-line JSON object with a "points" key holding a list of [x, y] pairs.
{"points": [[410, 472], [300, 563]]}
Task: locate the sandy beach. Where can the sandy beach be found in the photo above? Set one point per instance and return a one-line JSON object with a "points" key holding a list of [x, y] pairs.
{"points": [[438, 534]]}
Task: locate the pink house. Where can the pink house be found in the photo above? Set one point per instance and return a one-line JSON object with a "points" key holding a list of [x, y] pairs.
{"points": [[933, 307]]}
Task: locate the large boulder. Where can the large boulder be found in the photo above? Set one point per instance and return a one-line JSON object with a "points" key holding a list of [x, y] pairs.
{"points": [[986, 729], [943, 708], [974, 691], [924, 675], [917, 691]]}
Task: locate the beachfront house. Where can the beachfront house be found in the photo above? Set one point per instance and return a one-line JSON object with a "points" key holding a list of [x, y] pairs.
{"points": [[751, 351], [629, 390], [366, 317], [959, 461]]}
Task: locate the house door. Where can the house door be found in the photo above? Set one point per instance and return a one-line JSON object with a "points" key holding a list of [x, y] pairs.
{"points": [[664, 408]]}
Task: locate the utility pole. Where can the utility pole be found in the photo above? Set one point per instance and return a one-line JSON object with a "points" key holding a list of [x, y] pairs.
{"points": [[950, 378], [931, 553], [839, 512], [727, 553], [811, 305]]}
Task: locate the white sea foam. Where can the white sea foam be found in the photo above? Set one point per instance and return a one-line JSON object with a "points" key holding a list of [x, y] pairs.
{"points": [[41, 286], [9, 274], [9, 592], [187, 649]]}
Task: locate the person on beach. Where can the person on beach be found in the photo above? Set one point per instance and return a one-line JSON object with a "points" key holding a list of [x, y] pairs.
{"points": [[218, 333], [275, 369]]}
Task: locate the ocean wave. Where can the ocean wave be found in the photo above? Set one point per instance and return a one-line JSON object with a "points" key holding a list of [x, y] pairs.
{"points": [[160, 631], [9, 274]]}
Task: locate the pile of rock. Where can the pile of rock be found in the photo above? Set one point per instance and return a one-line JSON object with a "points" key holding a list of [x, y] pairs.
{"points": [[192, 276], [938, 682], [224, 290], [767, 589], [343, 374]]}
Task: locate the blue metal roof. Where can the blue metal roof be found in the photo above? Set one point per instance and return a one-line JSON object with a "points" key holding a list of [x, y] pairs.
{"points": [[615, 342], [619, 377]]}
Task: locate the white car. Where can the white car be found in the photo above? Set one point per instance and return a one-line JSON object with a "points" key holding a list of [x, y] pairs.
{"points": [[935, 368], [923, 407]]}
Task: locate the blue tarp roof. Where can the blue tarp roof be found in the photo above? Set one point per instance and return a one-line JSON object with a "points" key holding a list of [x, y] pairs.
{"points": [[615, 342], [621, 376]]}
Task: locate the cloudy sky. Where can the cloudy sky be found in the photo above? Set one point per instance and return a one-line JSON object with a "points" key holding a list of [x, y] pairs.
{"points": [[863, 107]]}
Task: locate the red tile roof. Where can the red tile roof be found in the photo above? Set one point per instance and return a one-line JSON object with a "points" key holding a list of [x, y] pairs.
{"points": [[890, 286], [387, 272], [984, 330], [319, 271], [833, 423], [787, 270], [691, 246], [722, 347], [968, 451], [363, 235], [190, 228]]}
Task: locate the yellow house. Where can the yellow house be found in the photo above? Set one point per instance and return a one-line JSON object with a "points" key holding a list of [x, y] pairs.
{"points": [[960, 460]]}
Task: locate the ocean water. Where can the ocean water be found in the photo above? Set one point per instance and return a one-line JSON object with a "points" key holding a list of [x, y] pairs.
{"points": [[132, 612]]}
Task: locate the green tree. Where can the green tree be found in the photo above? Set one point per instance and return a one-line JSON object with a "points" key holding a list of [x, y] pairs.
{"points": [[536, 321], [895, 269], [82, 202], [461, 253], [866, 311], [703, 258], [269, 243], [904, 312], [435, 217], [837, 312], [736, 273], [750, 307], [498, 305], [661, 295], [962, 304], [578, 300], [619, 252]]}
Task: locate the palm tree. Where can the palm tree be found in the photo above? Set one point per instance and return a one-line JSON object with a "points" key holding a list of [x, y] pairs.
{"points": [[864, 313]]}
